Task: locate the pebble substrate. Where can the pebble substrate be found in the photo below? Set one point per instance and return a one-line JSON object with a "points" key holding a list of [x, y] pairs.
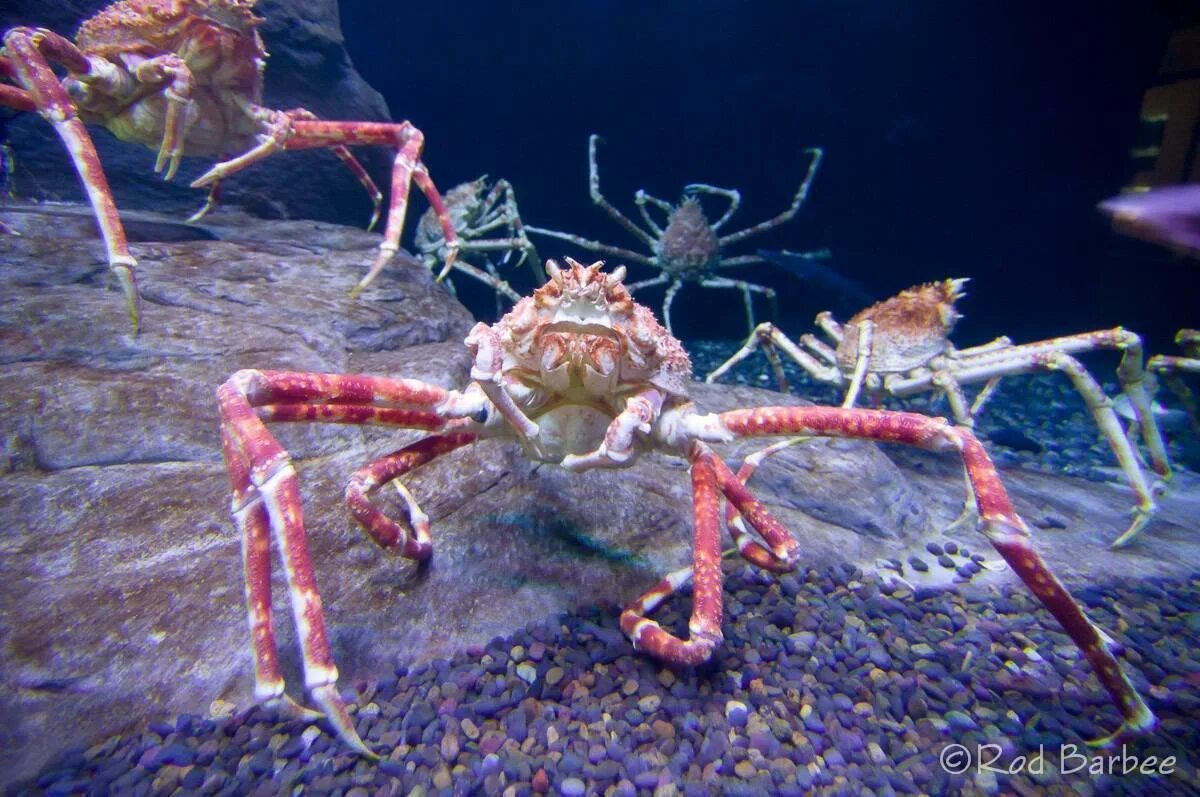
{"points": [[827, 683], [1038, 421]]}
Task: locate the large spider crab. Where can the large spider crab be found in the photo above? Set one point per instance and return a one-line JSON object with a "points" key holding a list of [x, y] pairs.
{"points": [[688, 247], [901, 346], [185, 77], [477, 212], [1173, 367], [583, 377]]}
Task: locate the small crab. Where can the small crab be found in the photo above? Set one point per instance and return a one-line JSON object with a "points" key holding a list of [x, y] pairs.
{"points": [[688, 247], [185, 77], [477, 212], [1174, 367], [582, 377], [901, 347]]}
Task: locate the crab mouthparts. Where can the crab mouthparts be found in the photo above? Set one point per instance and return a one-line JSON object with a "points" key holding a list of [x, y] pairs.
{"points": [[581, 328]]}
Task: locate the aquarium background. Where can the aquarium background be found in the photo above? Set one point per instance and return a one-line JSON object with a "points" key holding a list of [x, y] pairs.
{"points": [[961, 139]]}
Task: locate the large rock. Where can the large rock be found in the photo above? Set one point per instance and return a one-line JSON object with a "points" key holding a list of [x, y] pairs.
{"points": [[309, 67], [120, 570]]}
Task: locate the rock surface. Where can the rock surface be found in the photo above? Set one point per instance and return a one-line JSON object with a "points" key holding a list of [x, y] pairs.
{"points": [[120, 570], [309, 67]]}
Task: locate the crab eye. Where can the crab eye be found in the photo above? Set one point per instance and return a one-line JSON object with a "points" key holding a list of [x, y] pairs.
{"points": [[480, 415]]}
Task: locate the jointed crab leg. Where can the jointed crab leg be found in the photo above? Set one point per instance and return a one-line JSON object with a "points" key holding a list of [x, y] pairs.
{"points": [[999, 522], [1173, 367], [279, 126], [30, 51], [801, 194], [705, 625], [387, 533], [266, 504], [407, 168]]}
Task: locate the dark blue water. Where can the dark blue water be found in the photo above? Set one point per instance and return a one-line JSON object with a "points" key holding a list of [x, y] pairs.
{"points": [[962, 139]]}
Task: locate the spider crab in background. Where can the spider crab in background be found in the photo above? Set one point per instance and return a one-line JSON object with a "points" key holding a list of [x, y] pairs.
{"points": [[901, 347], [581, 376], [1174, 367], [688, 247], [477, 212], [185, 77]]}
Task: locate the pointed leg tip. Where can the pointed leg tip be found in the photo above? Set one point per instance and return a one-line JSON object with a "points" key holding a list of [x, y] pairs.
{"points": [[335, 712], [1131, 729]]}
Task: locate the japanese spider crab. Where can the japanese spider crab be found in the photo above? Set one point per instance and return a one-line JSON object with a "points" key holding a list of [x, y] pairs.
{"points": [[1174, 367], [583, 377], [688, 247], [476, 212], [185, 77], [901, 346]]}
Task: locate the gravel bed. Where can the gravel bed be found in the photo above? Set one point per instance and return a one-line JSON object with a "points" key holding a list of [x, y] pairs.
{"points": [[1036, 421], [828, 682]]}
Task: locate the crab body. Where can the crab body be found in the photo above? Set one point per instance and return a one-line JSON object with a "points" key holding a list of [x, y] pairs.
{"points": [[911, 328], [219, 44], [185, 77], [582, 377], [687, 248]]}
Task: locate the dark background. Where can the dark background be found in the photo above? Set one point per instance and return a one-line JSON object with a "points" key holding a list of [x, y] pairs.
{"points": [[962, 139]]}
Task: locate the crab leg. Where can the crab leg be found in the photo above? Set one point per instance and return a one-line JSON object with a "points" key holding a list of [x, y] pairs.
{"points": [[289, 132], [642, 199], [704, 627], [769, 337], [711, 478], [170, 69], [266, 504], [731, 194], [782, 554], [387, 533], [16, 98], [816, 154], [31, 51], [746, 288], [1043, 356], [594, 246], [999, 522], [407, 168], [598, 198], [1172, 367]]}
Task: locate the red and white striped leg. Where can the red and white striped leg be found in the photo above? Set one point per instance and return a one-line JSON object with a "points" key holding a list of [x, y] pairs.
{"points": [[30, 52], [387, 533], [710, 475], [704, 627], [266, 504], [350, 162], [782, 550], [406, 169], [998, 521], [16, 98]]}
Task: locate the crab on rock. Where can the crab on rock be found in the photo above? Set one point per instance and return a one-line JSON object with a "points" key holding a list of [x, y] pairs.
{"points": [[185, 77], [583, 377], [901, 346]]}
